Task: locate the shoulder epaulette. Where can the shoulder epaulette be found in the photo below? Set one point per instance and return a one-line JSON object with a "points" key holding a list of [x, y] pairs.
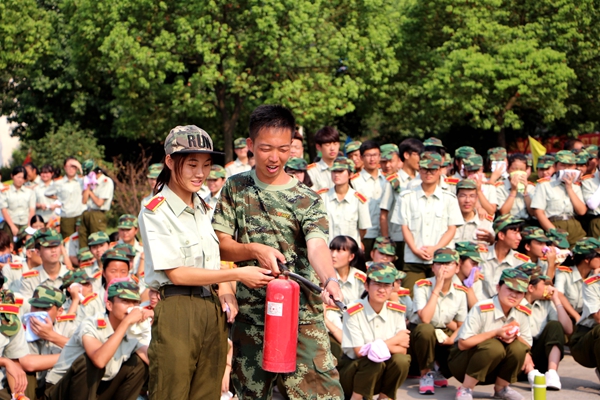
{"points": [[311, 166], [423, 282], [355, 308], [499, 183], [578, 183], [391, 177], [65, 318], [154, 203], [460, 287], [30, 274], [479, 277], [97, 275], [101, 323], [67, 239], [57, 179], [135, 279], [321, 191], [87, 300], [362, 198], [16, 266], [354, 176], [143, 274], [85, 264], [112, 244], [592, 279], [403, 292], [451, 181], [482, 248], [490, 217], [229, 164], [486, 307], [562, 268], [9, 309], [5, 188], [542, 180], [18, 302], [588, 176], [396, 306], [360, 276], [530, 183], [331, 308], [521, 256], [524, 309]]}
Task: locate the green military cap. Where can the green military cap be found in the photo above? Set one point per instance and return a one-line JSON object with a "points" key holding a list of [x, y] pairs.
{"points": [[515, 279], [587, 245], [385, 246], [400, 275], [154, 170], [98, 238], [447, 160], [88, 166], [565, 157], [445, 255], [239, 143], [558, 237], [592, 150], [342, 163], [189, 139], [505, 220], [45, 296], [473, 162], [433, 142], [545, 161], [30, 243], [430, 160], [299, 164], [469, 250], [387, 150], [464, 152], [127, 221], [114, 255], [497, 154], [581, 156], [9, 314], [534, 271], [125, 248], [125, 290], [216, 172], [466, 184], [529, 160], [85, 254], [534, 233], [352, 146], [50, 238], [382, 272]]}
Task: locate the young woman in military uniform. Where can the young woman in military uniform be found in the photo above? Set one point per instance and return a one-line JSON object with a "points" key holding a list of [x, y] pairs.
{"points": [[182, 262]]}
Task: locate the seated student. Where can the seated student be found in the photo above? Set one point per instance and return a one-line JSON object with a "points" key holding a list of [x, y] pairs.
{"points": [[538, 247], [92, 362], [549, 322], [128, 229], [13, 271], [383, 251], [401, 294], [476, 227], [471, 280], [117, 265], [89, 303], [439, 304], [514, 194], [569, 280], [381, 326], [493, 341]]}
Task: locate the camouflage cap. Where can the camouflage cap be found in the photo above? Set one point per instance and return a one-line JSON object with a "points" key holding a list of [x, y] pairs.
{"points": [[497, 154], [84, 254], [445, 255], [447, 160], [430, 160], [466, 184], [469, 250], [125, 248], [515, 279], [352, 146], [299, 164], [125, 290], [127, 221], [464, 152], [534, 233], [565, 157], [581, 156], [382, 272], [216, 172], [545, 161], [45, 296], [592, 150], [30, 243], [114, 255], [587, 245], [189, 139], [473, 162], [400, 275], [9, 314], [88, 166], [505, 220], [387, 150], [49, 238], [385, 246], [343, 163], [533, 271], [98, 238], [239, 143], [154, 170], [559, 238], [529, 161], [433, 142]]}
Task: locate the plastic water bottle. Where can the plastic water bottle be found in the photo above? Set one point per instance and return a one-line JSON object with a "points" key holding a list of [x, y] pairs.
{"points": [[538, 391]]}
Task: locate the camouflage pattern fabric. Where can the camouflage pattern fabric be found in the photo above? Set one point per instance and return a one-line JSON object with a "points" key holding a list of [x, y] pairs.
{"points": [[581, 156], [534, 271], [497, 154], [433, 142], [505, 220], [534, 233], [88, 166], [127, 221], [447, 160], [299, 164], [9, 318], [239, 143], [515, 279], [473, 163], [341, 164], [382, 272], [216, 172], [125, 248], [49, 238], [430, 160], [565, 157], [97, 238], [464, 152], [188, 139], [587, 246], [546, 161], [385, 246], [84, 254], [113, 254], [154, 170], [125, 290], [352, 146], [469, 250], [445, 255], [45, 296], [592, 150], [466, 184]]}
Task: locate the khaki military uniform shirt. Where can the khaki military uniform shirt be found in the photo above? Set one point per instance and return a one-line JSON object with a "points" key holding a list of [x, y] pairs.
{"points": [[320, 175], [176, 236], [235, 167], [372, 189], [551, 196], [13, 347], [354, 286], [72, 244], [363, 325], [451, 306], [491, 268], [589, 185], [18, 203], [591, 301], [90, 306], [347, 216], [467, 232], [542, 311], [389, 200], [41, 198], [446, 183], [12, 273], [34, 183], [569, 282], [104, 190], [32, 279], [519, 208], [69, 193], [212, 202]]}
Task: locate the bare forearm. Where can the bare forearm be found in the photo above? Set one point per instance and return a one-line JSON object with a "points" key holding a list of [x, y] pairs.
{"points": [[510, 200], [543, 219], [188, 276], [383, 223], [466, 344], [235, 251]]}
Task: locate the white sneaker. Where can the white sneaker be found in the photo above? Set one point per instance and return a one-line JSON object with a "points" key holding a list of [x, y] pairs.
{"points": [[552, 380], [531, 375]]}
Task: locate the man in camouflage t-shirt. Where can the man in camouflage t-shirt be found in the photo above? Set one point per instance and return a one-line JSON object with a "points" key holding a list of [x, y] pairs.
{"points": [[265, 216]]}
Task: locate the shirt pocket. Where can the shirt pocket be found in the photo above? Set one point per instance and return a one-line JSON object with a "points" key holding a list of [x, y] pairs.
{"points": [[191, 253], [210, 251]]}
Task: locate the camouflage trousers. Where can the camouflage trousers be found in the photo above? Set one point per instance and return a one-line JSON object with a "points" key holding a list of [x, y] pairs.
{"points": [[315, 376]]}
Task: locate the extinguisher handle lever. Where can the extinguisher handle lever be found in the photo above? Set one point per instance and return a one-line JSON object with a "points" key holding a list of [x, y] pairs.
{"points": [[339, 304]]}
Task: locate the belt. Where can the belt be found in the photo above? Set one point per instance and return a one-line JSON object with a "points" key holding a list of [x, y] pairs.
{"points": [[562, 217], [175, 290]]}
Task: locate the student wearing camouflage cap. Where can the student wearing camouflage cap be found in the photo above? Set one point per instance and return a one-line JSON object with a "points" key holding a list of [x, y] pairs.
{"points": [[439, 305], [545, 166], [429, 217], [240, 148], [592, 150], [90, 303], [497, 161], [459, 155], [297, 146], [352, 151], [557, 201], [383, 251], [582, 158], [98, 199], [153, 172], [98, 350], [375, 340], [327, 141], [486, 191], [214, 182], [401, 295], [296, 167], [390, 162], [492, 343], [117, 266], [549, 323], [514, 194], [468, 273], [128, 229], [590, 187], [538, 247], [571, 276], [476, 227], [347, 210], [99, 243]]}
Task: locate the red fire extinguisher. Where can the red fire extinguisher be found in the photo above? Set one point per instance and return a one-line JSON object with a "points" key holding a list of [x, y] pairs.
{"points": [[281, 325]]}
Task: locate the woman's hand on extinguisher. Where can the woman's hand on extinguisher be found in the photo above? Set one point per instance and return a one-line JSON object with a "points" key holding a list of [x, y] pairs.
{"points": [[267, 257], [255, 277]]}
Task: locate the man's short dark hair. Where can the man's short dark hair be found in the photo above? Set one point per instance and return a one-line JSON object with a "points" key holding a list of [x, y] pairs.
{"points": [[69, 159], [327, 134], [48, 168], [570, 144], [516, 157], [32, 166], [368, 145], [410, 145], [271, 116], [436, 149], [511, 227]]}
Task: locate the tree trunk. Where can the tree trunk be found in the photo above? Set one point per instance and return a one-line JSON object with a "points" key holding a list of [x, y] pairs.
{"points": [[501, 138], [229, 120]]}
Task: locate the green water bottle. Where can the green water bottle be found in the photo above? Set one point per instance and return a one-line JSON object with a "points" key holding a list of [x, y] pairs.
{"points": [[538, 391]]}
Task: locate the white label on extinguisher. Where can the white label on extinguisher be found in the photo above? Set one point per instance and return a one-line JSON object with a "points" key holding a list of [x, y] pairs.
{"points": [[274, 309]]}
